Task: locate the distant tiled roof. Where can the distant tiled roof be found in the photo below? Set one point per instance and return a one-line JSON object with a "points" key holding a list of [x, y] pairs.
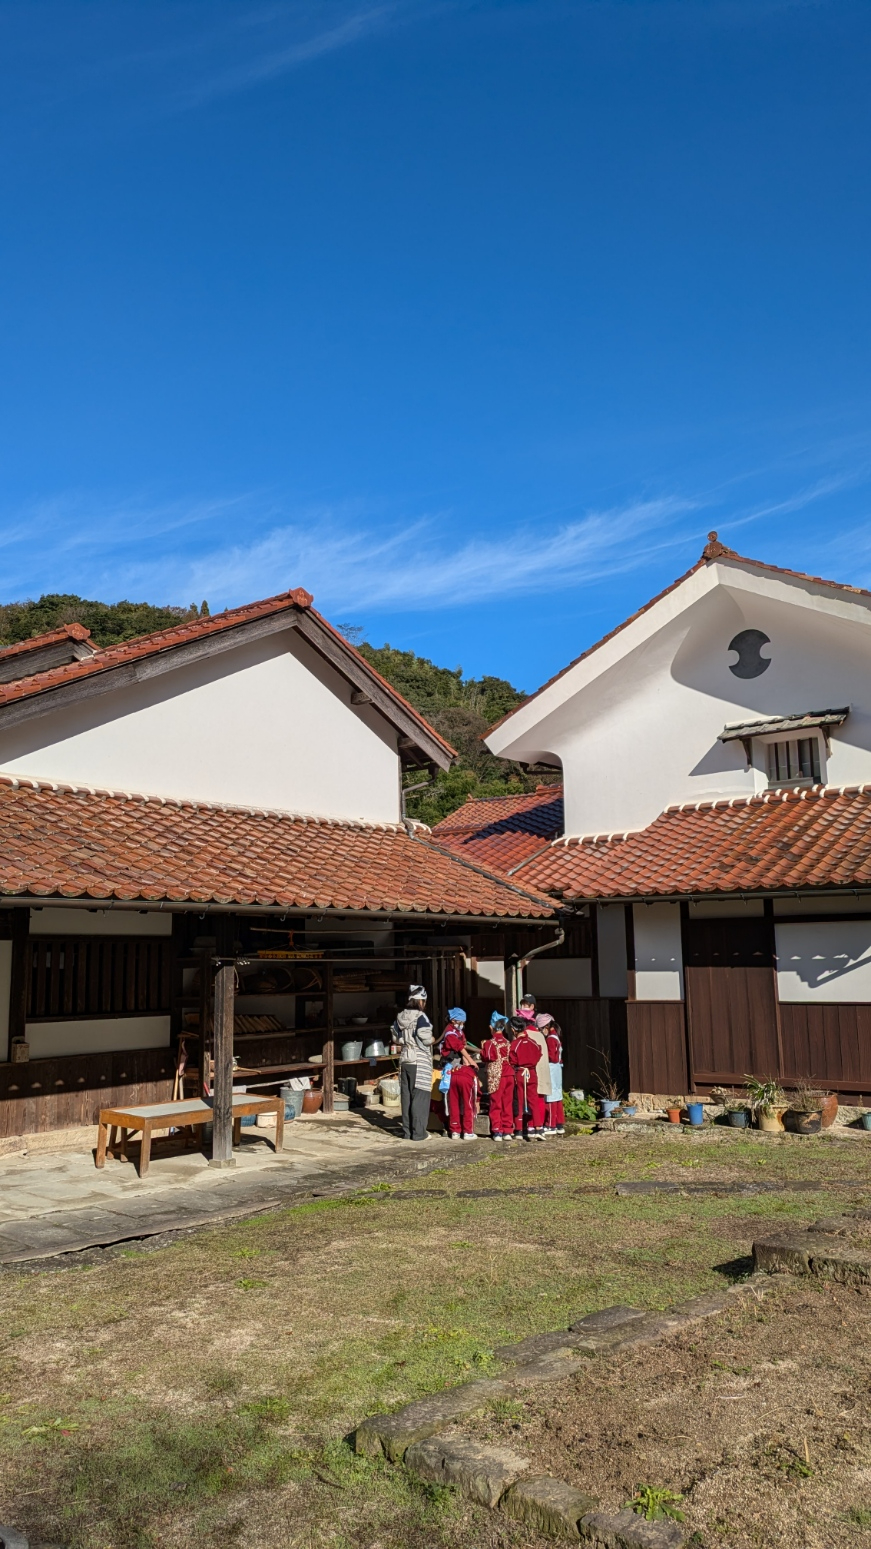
{"points": [[163, 640], [503, 831], [712, 551], [780, 841], [52, 637], [68, 842]]}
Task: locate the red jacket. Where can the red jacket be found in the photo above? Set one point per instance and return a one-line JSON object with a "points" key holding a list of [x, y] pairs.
{"points": [[554, 1048], [525, 1051], [495, 1048], [453, 1042]]}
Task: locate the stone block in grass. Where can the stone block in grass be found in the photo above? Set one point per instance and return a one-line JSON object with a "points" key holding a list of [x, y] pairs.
{"points": [[625, 1530], [393, 1434], [547, 1505], [480, 1472]]}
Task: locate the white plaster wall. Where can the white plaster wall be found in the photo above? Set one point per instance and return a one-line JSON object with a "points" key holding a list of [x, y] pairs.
{"points": [[98, 922], [48, 1039], [636, 725], [491, 975], [611, 937], [561, 977], [824, 962], [5, 991], [658, 952], [267, 724]]}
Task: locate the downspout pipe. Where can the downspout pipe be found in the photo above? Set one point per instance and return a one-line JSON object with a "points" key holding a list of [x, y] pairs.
{"points": [[514, 971]]}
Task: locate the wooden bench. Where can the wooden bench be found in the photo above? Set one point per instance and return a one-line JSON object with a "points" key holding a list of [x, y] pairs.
{"points": [[179, 1115]]}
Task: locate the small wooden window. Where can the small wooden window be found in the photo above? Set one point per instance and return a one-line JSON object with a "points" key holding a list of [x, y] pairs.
{"points": [[794, 762], [92, 976]]}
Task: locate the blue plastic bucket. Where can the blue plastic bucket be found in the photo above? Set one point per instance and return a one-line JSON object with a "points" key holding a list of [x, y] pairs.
{"points": [[608, 1106], [695, 1113]]}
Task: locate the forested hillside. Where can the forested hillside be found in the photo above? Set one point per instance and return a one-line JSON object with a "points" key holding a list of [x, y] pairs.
{"points": [[459, 708]]}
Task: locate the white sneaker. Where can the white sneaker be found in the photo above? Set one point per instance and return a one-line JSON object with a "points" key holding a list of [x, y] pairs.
{"points": [[470, 1137], [540, 1134], [456, 1137], [497, 1137]]}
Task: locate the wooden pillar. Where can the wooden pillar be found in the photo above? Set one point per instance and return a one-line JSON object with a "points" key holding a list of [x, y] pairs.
{"points": [[222, 1102], [205, 1010], [329, 1048]]}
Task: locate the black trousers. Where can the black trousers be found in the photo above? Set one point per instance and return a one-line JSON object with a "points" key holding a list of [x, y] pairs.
{"points": [[415, 1104]]}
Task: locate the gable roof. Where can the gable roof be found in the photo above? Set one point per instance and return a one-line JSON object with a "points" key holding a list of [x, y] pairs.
{"points": [[504, 831], [712, 551], [51, 637], [781, 841], [179, 644], [62, 841]]}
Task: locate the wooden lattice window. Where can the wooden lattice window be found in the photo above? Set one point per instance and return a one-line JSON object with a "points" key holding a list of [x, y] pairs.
{"points": [[80, 976]]}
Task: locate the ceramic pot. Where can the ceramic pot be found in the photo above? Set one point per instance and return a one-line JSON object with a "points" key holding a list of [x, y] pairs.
{"points": [[739, 1118], [628, 1110], [695, 1114], [770, 1121], [312, 1102], [673, 1115], [800, 1123], [829, 1110]]}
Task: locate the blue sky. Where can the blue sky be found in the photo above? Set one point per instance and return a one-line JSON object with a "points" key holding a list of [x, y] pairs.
{"points": [[472, 317]]}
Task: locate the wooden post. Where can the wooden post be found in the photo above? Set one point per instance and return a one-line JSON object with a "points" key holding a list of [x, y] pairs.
{"points": [[329, 1049], [205, 1008], [222, 1101]]}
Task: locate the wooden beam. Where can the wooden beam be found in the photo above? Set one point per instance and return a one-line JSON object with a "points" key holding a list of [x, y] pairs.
{"points": [[222, 1099], [329, 1048]]}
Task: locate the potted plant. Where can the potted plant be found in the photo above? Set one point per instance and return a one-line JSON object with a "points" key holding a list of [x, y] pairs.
{"points": [[767, 1102], [804, 1116], [736, 1109], [674, 1108], [607, 1087]]}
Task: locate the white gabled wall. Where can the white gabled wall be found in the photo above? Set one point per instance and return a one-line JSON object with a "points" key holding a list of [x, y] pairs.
{"points": [[636, 725], [268, 724]]}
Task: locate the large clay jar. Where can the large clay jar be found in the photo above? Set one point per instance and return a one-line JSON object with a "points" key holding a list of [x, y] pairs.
{"points": [[829, 1109]]}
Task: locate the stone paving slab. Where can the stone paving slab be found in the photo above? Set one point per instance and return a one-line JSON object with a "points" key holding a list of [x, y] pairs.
{"points": [[814, 1252], [547, 1506], [393, 1434], [626, 1530]]}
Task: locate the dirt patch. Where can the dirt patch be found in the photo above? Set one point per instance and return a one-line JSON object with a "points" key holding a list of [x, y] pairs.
{"points": [[761, 1419]]}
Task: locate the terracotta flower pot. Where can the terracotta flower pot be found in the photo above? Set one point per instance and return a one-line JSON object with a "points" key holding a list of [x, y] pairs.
{"points": [[673, 1115], [312, 1102], [770, 1121], [829, 1109]]}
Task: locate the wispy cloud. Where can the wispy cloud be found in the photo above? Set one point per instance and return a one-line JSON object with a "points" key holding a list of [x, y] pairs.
{"points": [[352, 564]]}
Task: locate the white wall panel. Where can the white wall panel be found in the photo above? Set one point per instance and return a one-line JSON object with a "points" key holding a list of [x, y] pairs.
{"points": [[48, 1039], [658, 954], [824, 962]]}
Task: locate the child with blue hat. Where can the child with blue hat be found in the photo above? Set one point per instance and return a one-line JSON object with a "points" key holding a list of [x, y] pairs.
{"points": [[461, 1097]]}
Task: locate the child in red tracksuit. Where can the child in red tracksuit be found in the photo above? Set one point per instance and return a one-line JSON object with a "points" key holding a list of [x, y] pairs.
{"points": [[555, 1119], [524, 1054], [499, 1079], [461, 1102]]}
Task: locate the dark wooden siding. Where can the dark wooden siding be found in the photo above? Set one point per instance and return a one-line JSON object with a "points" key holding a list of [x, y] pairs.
{"points": [[69, 1091], [829, 1045], [732, 1015], [82, 976], [594, 1032], [657, 1046]]}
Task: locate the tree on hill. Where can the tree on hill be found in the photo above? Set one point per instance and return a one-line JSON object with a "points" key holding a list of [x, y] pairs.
{"points": [[109, 623], [460, 709]]}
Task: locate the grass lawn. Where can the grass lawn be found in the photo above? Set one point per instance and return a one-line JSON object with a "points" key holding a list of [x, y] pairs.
{"points": [[200, 1391]]}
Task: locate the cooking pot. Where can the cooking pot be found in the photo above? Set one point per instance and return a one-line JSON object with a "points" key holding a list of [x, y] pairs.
{"points": [[375, 1049]]}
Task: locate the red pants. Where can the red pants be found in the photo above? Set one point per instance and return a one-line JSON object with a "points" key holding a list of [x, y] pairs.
{"points": [[527, 1078], [462, 1105], [502, 1105], [556, 1115]]}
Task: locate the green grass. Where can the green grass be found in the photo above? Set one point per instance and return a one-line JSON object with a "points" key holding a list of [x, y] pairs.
{"points": [[165, 1385]]}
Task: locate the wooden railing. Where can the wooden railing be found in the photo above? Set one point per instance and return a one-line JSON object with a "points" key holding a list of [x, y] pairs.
{"points": [[79, 976]]}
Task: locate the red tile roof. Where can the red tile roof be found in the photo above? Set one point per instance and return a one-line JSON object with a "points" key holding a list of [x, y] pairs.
{"points": [[504, 831], [181, 634], [53, 636], [712, 551], [780, 841], [67, 842]]}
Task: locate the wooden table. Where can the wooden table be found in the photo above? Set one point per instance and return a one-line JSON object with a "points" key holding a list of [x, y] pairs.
{"points": [[160, 1116]]}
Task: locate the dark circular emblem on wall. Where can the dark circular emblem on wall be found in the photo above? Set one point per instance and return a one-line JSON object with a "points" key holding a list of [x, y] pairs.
{"points": [[750, 663]]}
